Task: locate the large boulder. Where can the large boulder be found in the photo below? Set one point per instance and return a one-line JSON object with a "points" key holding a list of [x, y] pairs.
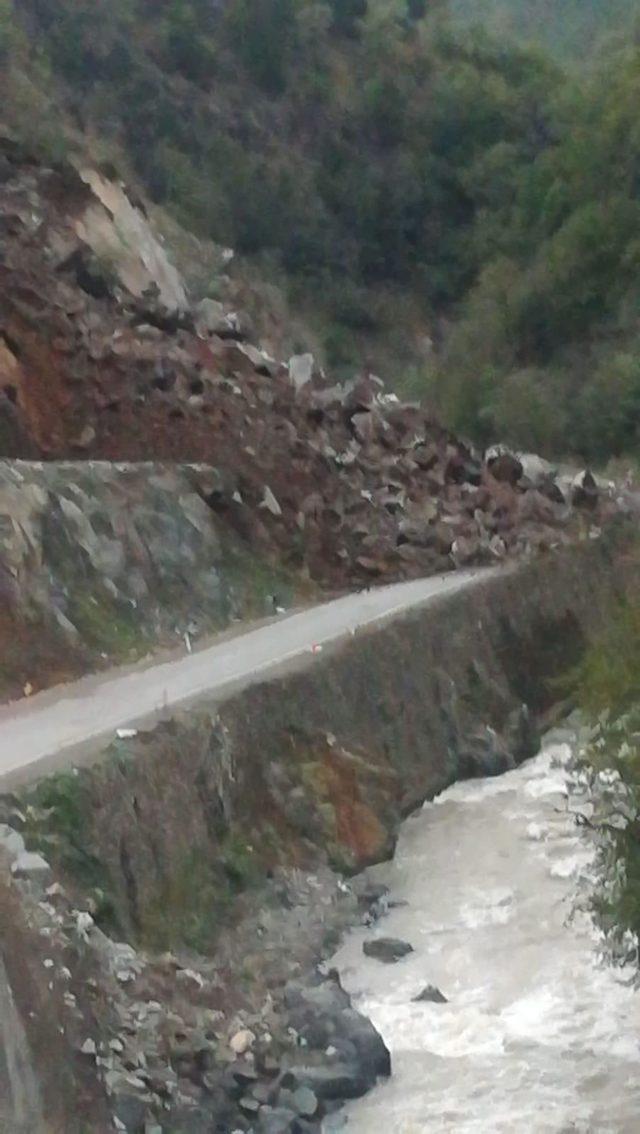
{"points": [[301, 370], [323, 1017], [503, 465], [584, 491], [387, 949], [210, 318]]}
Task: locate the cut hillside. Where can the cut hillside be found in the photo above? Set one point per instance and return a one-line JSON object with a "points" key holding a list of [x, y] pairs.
{"points": [[283, 479]]}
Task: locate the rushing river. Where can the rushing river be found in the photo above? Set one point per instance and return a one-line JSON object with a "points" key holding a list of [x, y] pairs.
{"points": [[537, 1036]]}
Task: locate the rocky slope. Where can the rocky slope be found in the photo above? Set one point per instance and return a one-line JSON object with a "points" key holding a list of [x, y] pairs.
{"points": [[100, 563], [103, 356]]}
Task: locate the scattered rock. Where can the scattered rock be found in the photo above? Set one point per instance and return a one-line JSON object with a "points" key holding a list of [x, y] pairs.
{"points": [[503, 465], [242, 1041], [11, 840], [300, 370], [305, 1102], [387, 949], [521, 734], [584, 491], [335, 1082], [28, 864], [210, 318], [270, 503], [275, 1120], [131, 1111]]}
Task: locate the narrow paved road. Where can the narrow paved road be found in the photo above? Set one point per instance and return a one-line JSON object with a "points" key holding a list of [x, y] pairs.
{"points": [[64, 724]]}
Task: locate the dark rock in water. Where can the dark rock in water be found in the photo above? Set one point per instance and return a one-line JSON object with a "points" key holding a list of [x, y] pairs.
{"points": [[484, 753], [322, 1015], [338, 1081], [521, 734], [387, 949], [430, 994], [371, 895], [372, 1053]]}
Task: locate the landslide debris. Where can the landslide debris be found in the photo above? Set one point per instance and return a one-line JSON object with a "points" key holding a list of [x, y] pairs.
{"points": [[104, 356]]}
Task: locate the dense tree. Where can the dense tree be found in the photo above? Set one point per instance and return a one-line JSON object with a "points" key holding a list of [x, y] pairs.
{"points": [[417, 9], [346, 15], [462, 178]]}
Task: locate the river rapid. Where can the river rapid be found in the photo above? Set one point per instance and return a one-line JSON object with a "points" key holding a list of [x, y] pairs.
{"points": [[538, 1034]]}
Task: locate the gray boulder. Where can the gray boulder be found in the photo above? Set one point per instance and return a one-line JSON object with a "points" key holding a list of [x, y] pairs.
{"points": [[322, 1016], [387, 949], [301, 370], [329, 1083]]}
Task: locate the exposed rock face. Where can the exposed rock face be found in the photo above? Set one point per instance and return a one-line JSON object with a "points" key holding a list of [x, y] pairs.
{"points": [[104, 561], [118, 233], [101, 356]]}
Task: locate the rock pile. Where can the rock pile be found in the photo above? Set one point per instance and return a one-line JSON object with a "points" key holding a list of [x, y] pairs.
{"points": [[102, 355], [167, 1045]]}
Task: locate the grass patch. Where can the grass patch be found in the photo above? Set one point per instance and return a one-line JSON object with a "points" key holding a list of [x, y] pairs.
{"points": [[107, 626], [56, 812], [197, 898]]}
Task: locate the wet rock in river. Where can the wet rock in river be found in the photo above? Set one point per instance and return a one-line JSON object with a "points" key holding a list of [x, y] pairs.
{"points": [[324, 1019], [430, 994], [335, 1082], [387, 949]]}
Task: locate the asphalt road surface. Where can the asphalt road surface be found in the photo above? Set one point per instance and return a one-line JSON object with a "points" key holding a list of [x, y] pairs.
{"points": [[66, 724]]}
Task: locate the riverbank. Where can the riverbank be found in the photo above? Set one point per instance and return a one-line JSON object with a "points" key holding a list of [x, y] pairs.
{"points": [[533, 1030]]}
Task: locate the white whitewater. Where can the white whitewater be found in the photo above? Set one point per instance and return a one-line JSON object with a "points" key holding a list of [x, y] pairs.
{"points": [[538, 1036]]}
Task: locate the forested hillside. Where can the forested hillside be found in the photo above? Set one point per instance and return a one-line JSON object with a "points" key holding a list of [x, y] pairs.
{"points": [[567, 28], [432, 196]]}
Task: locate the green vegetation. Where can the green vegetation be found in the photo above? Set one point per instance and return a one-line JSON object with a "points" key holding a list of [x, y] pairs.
{"points": [[56, 824], [197, 899], [410, 180], [607, 684], [568, 28]]}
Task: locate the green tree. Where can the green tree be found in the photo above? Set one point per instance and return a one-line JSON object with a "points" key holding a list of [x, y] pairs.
{"points": [[417, 9], [347, 15], [264, 35]]}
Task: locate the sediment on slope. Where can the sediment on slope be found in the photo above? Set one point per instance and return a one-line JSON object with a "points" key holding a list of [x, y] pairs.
{"points": [[223, 835]]}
